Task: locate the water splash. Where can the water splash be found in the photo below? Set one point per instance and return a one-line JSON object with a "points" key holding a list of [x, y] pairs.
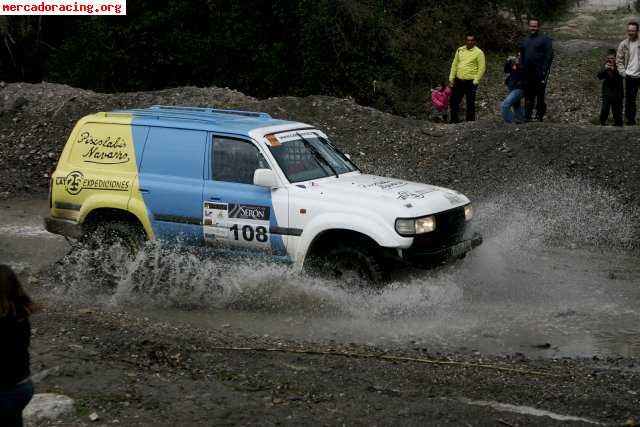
{"points": [[515, 288], [552, 209]]}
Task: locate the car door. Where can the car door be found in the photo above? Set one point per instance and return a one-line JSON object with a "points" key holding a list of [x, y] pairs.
{"points": [[171, 179], [236, 213]]}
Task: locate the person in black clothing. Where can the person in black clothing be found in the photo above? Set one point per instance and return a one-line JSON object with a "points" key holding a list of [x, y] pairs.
{"points": [[612, 90], [536, 55], [16, 388]]}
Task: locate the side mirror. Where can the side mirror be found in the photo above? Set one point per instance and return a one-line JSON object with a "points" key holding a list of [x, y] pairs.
{"points": [[265, 178]]}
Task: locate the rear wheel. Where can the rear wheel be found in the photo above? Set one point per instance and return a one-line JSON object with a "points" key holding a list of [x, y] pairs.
{"points": [[109, 247]]}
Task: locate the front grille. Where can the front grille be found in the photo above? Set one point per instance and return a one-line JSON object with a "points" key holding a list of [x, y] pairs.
{"points": [[450, 228]]}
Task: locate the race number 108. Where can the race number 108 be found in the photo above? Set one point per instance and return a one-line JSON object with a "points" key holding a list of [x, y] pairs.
{"points": [[249, 233]]}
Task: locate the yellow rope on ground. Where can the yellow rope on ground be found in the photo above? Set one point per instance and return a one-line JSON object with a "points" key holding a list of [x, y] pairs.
{"points": [[385, 357]]}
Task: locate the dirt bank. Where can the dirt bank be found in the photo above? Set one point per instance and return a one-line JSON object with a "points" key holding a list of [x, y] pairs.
{"points": [[36, 120]]}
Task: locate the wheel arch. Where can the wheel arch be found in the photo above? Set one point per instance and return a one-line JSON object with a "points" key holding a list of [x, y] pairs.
{"points": [[330, 237], [98, 215]]}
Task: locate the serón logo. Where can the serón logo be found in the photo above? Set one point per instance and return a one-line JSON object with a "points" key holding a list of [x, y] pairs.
{"points": [[249, 212]]}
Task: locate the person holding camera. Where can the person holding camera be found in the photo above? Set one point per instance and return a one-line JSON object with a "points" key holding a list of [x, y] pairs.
{"points": [[511, 108], [612, 90]]}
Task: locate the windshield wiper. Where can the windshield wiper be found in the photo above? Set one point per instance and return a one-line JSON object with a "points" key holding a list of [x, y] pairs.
{"points": [[317, 154], [339, 153]]}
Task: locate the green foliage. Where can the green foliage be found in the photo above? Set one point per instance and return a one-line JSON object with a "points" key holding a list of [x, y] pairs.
{"points": [[384, 53], [541, 9]]}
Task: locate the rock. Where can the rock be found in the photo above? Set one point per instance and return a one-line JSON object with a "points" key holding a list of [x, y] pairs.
{"points": [[94, 417], [48, 406], [542, 346], [40, 376], [19, 103]]}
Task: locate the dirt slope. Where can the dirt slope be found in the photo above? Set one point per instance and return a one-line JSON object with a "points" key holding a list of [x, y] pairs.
{"points": [[478, 158]]}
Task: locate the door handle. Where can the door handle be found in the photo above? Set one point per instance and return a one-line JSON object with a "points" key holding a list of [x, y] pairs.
{"points": [[214, 199], [144, 190]]}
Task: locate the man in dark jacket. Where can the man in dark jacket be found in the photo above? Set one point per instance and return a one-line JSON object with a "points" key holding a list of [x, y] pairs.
{"points": [[536, 55], [612, 90]]}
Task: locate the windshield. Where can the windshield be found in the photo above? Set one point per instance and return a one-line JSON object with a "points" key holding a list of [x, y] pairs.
{"points": [[309, 156]]}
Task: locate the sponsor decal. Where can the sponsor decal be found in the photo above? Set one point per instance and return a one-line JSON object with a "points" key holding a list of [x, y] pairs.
{"points": [[418, 194], [260, 213], [454, 199], [235, 224], [277, 139], [385, 185], [75, 182], [107, 151]]}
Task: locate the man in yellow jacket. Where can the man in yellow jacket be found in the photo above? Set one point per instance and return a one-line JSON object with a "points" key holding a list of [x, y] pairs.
{"points": [[467, 70]]}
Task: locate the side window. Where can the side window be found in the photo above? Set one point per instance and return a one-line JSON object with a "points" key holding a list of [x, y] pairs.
{"points": [[235, 160], [174, 152]]}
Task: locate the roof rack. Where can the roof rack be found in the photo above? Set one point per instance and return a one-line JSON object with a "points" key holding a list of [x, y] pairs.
{"points": [[207, 110], [154, 115]]}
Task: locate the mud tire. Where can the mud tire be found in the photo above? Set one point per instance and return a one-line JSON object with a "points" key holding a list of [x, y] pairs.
{"points": [[109, 247], [121, 233], [352, 266]]}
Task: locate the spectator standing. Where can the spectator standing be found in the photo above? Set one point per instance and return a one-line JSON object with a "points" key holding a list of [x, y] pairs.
{"points": [[612, 90], [440, 102], [511, 107], [628, 63], [16, 389], [536, 56], [467, 70]]}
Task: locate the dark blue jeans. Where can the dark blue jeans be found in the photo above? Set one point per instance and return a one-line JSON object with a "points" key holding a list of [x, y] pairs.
{"points": [[12, 402]]}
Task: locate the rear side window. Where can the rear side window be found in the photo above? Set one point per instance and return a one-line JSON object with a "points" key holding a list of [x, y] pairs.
{"points": [[235, 160], [174, 152]]}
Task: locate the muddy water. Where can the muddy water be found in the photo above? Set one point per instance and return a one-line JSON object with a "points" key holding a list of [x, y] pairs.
{"points": [[555, 277]]}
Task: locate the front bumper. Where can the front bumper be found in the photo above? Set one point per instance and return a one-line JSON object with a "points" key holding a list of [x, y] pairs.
{"points": [[429, 257], [63, 227]]}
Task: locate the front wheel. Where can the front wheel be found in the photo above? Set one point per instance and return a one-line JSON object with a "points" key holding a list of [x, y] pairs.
{"points": [[351, 266]]}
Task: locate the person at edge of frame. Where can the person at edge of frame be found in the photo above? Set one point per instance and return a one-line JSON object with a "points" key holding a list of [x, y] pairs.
{"points": [[16, 388], [467, 69], [628, 63]]}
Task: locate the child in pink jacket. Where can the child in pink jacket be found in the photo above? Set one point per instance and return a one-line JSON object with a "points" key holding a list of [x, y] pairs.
{"points": [[440, 102]]}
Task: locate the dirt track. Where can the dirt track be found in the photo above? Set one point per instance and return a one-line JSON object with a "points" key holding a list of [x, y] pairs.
{"points": [[147, 373]]}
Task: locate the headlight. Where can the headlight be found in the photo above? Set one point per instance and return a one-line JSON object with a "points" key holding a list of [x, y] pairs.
{"points": [[411, 227], [468, 212], [425, 225]]}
